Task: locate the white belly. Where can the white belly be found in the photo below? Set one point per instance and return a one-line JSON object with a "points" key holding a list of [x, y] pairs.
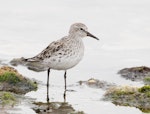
{"points": [[66, 61], [65, 64]]}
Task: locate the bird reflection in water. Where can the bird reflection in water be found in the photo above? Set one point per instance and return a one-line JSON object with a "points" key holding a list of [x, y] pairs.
{"points": [[55, 107]]}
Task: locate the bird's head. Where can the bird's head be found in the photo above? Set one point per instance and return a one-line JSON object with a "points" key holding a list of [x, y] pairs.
{"points": [[81, 30]]}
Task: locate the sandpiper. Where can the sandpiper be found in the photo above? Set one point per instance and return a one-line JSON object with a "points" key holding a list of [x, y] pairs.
{"points": [[63, 54]]}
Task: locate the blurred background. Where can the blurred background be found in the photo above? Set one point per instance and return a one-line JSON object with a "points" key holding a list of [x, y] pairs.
{"points": [[123, 27]]}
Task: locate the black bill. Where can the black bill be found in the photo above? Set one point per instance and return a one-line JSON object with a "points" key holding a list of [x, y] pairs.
{"points": [[91, 35]]}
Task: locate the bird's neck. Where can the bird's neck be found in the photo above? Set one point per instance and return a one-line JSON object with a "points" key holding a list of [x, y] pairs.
{"points": [[75, 37], [76, 41]]}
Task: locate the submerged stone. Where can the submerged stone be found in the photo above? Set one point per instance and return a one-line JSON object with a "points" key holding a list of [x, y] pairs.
{"points": [[95, 83], [12, 81], [135, 73], [130, 96]]}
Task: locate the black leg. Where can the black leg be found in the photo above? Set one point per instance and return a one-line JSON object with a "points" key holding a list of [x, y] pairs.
{"points": [[65, 96], [48, 72], [65, 86], [65, 80]]}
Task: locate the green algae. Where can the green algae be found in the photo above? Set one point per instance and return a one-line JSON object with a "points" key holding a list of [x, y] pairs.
{"points": [[7, 98], [147, 80], [144, 89], [9, 77], [130, 96]]}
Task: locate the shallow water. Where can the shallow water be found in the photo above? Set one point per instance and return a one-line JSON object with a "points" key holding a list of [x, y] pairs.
{"points": [[123, 28]]}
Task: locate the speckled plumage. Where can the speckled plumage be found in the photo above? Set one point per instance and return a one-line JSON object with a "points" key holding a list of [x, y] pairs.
{"points": [[64, 53]]}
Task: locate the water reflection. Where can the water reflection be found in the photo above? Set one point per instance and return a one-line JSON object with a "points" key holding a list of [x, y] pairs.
{"points": [[55, 107]]}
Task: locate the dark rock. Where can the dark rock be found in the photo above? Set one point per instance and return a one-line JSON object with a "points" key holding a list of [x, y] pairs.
{"points": [[135, 73]]}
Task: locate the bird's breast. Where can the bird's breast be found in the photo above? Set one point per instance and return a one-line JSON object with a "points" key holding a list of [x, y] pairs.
{"points": [[67, 57]]}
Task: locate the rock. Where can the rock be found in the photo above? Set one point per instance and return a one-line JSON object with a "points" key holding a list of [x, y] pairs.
{"points": [[95, 83], [135, 73], [130, 96], [12, 81], [54, 108]]}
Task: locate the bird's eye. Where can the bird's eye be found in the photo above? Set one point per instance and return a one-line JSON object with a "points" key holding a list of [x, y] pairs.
{"points": [[81, 28]]}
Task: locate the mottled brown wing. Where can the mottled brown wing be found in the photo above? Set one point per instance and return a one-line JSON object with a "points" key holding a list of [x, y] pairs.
{"points": [[48, 51]]}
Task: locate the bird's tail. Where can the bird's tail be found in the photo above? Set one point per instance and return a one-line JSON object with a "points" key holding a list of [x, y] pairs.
{"points": [[18, 61]]}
